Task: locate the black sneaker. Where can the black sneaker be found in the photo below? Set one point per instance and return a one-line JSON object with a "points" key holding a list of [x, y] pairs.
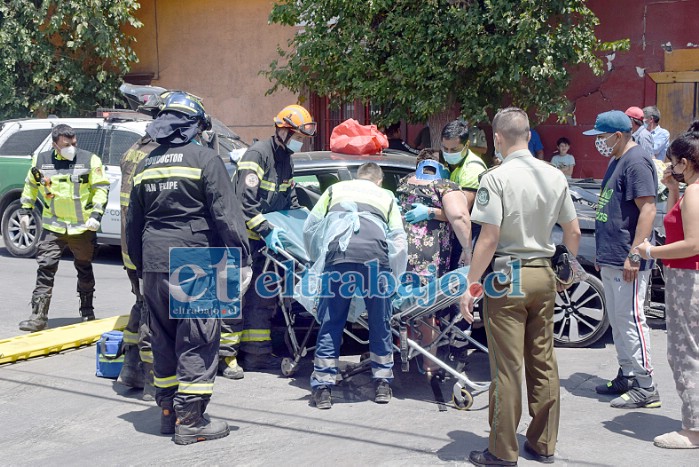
{"points": [[638, 398], [619, 385], [383, 392], [543, 458], [321, 397]]}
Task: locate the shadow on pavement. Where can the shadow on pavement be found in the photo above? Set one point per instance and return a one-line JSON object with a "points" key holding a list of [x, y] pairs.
{"points": [[583, 385], [463, 442], [641, 425]]}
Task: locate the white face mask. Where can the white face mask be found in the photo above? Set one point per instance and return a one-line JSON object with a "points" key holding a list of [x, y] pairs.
{"points": [[602, 146], [294, 145], [68, 153]]}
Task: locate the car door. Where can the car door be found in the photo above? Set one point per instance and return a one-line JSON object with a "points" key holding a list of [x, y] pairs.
{"points": [[118, 138]]}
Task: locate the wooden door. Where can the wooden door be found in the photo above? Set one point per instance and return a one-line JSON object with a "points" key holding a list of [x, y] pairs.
{"points": [[679, 106]]}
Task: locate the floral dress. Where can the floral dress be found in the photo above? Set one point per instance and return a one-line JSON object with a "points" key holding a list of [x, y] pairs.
{"points": [[429, 241]]}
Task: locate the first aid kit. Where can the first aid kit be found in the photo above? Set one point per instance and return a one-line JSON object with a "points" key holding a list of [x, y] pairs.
{"points": [[110, 354]]}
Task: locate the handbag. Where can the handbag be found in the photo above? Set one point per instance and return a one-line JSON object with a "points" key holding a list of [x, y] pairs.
{"points": [[566, 267]]}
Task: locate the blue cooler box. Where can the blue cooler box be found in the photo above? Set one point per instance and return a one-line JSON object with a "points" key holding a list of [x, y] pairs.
{"points": [[110, 354]]}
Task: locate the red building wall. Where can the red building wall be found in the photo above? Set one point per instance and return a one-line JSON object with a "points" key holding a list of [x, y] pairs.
{"points": [[648, 24]]}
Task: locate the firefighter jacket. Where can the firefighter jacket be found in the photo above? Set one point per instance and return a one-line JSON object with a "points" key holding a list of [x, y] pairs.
{"points": [[70, 191], [264, 183], [181, 197], [128, 164]]}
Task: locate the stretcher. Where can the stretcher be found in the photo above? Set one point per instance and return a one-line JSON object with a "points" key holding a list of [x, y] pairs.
{"points": [[415, 309]]}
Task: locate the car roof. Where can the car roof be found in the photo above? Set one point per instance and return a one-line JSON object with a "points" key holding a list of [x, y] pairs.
{"points": [[328, 159]]}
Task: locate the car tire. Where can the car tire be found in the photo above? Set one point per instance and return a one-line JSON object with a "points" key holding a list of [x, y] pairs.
{"points": [[22, 245], [580, 314]]}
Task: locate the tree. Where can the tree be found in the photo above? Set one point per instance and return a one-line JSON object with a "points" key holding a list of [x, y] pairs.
{"points": [[429, 60], [63, 57]]}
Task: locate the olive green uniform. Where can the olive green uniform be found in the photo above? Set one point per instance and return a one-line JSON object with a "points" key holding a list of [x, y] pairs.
{"points": [[525, 197]]}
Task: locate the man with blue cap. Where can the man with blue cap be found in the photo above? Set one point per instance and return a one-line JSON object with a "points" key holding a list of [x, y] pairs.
{"points": [[625, 215]]}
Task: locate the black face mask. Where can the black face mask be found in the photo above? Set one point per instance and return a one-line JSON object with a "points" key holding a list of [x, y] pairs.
{"points": [[679, 177]]}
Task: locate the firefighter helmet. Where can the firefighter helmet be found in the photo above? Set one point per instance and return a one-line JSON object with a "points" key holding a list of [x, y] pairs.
{"points": [[297, 118], [186, 104]]}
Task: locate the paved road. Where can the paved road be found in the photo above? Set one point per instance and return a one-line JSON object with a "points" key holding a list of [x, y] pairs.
{"points": [[54, 410]]}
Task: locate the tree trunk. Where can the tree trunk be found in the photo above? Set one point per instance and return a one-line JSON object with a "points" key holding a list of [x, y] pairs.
{"points": [[437, 122]]}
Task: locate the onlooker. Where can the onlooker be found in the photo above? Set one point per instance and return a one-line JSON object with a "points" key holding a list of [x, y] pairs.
{"points": [[640, 134], [563, 161], [536, 147], [625, 215], [395, 140], [430, 241], [516, 224], [661, 137], [74, 188], [680, 256]]}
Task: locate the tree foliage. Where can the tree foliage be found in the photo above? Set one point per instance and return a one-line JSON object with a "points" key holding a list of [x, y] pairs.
{"points": [[63, 57], [417, 58]]}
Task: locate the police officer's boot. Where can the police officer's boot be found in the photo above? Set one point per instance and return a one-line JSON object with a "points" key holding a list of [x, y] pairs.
{"points": [[148, 387], [229, 368], [87, 311], [131, 374], [193, 426], [39, 318], [168, 418]]}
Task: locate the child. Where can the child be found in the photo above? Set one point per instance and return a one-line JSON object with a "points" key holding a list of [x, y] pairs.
{"points": [[564, 161]]}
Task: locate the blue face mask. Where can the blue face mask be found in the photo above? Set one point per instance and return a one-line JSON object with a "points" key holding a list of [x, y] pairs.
{"points": [[294, 145], [440, 172], [453, 158]]}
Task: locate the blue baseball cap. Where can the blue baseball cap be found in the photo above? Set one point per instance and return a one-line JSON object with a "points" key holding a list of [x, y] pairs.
{"points": [[610, 122]]}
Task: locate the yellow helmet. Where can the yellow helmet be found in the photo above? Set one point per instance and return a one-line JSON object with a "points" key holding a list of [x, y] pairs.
{"points": [[297, 118]]}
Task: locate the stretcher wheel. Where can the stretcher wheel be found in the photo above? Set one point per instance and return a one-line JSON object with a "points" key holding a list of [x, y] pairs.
{"points": [[289, 367], [462, 398]]}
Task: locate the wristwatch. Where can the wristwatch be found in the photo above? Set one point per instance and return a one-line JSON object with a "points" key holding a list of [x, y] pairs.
{"points": [[430, 213], [634, 257]]}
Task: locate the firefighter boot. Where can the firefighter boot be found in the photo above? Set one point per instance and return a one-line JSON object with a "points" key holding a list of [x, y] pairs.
{"points": [[148, 387], [229, 368], [193, 426], [39, 318], [167, 418], [131, 374], [87, 311]]}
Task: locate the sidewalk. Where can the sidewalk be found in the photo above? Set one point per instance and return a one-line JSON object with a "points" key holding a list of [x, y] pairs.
{"points": [[55, 411]]}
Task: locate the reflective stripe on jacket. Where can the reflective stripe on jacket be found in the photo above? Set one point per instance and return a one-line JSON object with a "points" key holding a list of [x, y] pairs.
{"points": [[70, 191]]}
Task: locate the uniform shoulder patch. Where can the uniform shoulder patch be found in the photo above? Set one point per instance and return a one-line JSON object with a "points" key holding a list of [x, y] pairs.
{"points": [[98, 171], [482, 196], [252, 180]]}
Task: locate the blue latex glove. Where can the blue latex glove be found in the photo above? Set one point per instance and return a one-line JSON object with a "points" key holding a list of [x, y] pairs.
{"points": [[272, 240], [418, 213]]}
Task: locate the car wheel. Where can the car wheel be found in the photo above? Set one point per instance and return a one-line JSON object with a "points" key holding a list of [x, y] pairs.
{"points": [[580, 314], [17, 242]]}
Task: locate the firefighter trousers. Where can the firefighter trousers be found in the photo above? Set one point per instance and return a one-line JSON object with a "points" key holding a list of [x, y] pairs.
{"points": [[185, 350], [137, 331], [49, 251], [256, 338]]}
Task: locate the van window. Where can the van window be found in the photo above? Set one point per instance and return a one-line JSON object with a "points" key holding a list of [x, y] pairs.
{"points": [[118, 142], [90, 140], [24, 142]]}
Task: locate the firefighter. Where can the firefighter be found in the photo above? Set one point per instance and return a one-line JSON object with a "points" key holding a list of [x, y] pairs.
{"points": [[182, 197], [263, 183], [137, 370], [73, 189]]}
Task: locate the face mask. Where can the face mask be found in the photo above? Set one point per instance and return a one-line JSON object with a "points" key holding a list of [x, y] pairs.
{"points": [[294, 145], [453, 158], [68, 153], [679, 177], [603, 148], [645, 125], [498, 156]]}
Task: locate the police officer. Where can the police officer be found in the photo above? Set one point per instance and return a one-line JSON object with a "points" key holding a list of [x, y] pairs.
{"points": [[379, 239], [73, 189], [518, 205], [263, 183], [182, 197], [137, 370]]}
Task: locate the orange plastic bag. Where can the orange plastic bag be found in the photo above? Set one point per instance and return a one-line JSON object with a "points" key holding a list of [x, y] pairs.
{"points": [[350, 137]]}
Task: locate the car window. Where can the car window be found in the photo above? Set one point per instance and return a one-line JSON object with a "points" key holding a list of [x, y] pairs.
{"points": [[118, 142], [317, 183], [90, 140], [24, 142]]}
